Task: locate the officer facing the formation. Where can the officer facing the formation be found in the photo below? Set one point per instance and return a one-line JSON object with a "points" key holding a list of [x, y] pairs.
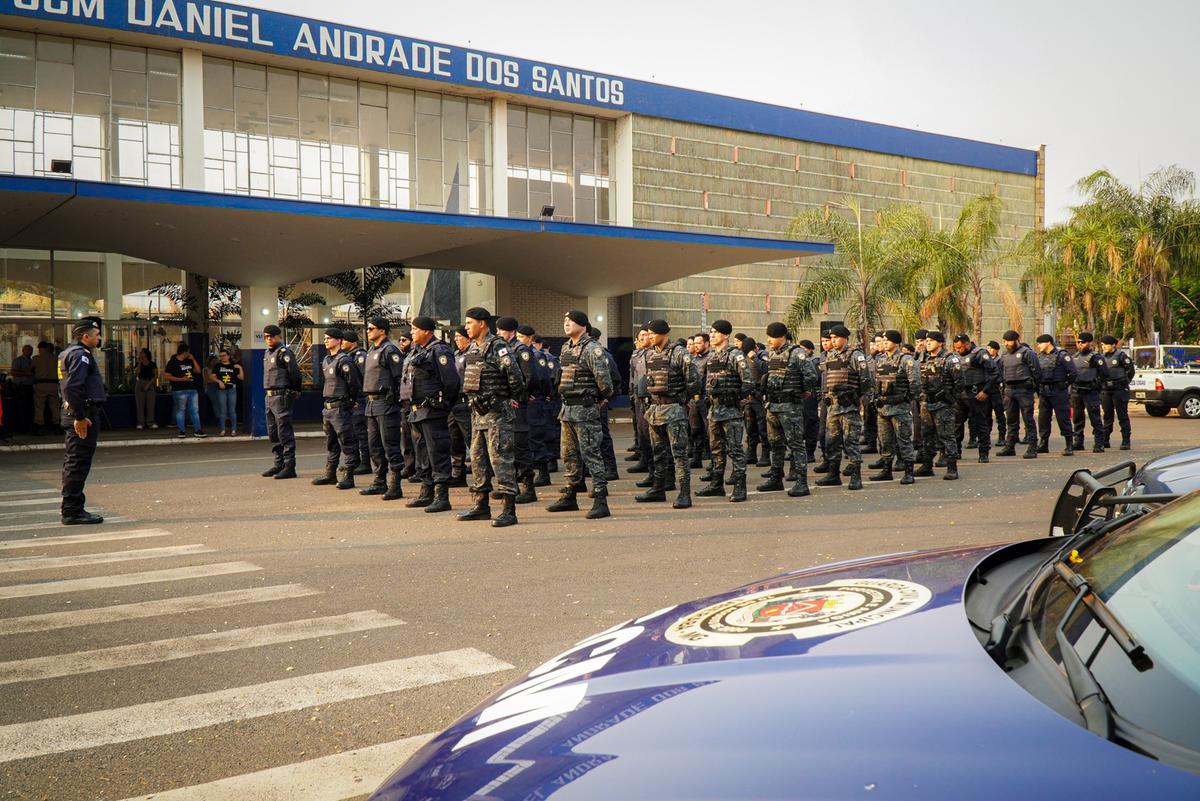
{"points": [[941, 377], [1020, 371], [281, 379], [460, 416], [538, 409], [585, 385], [493, 383], [728, 385], [671, 379], [1091, 373], [506, 329], [82, 392], [351, 346], [1057, 375], [1114, 397], [897, 382], [846, 378], [342, 383], [430, 388], [975, 395], [381, 389], [791, 378]]}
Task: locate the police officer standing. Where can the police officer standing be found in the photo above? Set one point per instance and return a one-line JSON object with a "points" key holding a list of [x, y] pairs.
{"points": [[82, 391], [897, 382], [1091, 372], [728, 385], [539, 420], [381, 389], [404, 343], [493, 383], [697, 426], [585, 385], [975, 395], [812, 415], [1020, 371], [941, 377], [755, 414], [846, 378], [553, 405], [281, 379], [1114, 398], [790, 379], [639, 398], [430, 386], [351, 346], [459, 420], [1057, 375], [671, 380], [342, 384], [997, 399], [506, 329]]}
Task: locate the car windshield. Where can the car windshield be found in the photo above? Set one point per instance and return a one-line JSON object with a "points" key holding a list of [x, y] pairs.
{"points": [[1149, 575]]}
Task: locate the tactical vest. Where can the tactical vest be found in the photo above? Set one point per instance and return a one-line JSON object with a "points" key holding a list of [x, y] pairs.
{"points": [[577, 379], [482, 376], [93, 386], [421, 381], [722, 382], [1052, 369], [336, 385], [892, 381], [932, 378], [784, 385], [839, 375], [1118, 376], [974, 373], [663, 383], [1086, 374], [1013, 367], [275, 368], [377, 377]]}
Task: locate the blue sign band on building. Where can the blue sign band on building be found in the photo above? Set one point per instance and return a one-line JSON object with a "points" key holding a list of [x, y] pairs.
{"points": [[346, 45]]}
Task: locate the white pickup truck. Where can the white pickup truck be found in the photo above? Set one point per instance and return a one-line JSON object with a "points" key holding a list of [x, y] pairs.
{"points": [[1167, 377]]}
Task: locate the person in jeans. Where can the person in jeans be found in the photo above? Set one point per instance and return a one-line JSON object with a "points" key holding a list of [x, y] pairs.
{"points": [[181, 372], [223, 378], [145, 389]]}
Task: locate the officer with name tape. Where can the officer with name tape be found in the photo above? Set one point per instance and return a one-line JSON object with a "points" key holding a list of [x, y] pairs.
{"points": [[671, 380], [1021, 372], [1091, 373], [430, 388], [728, 386], [789, 379], [381, 393], [82, 391], [506, 329], [974, 402], [359, 354], [585, 385], [459, 421], [493, 383], [941, 378], [897, 382], [1114, 397], [1054, 393], [847, 378], [539, 420], [281, 379], [341, 387]]}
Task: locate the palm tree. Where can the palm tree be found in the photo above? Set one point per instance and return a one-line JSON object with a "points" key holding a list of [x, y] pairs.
{"points": [[870, 267], [365, 288]]}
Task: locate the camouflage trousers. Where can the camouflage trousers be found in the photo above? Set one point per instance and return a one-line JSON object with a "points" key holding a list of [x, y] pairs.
{"points": [[582, 444], [493, 444], [785, 431], [670, 442], [896, 436], [938, 431], [843, 435], [726, 440]]}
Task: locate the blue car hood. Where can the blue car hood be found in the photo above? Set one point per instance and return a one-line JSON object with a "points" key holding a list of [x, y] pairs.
{"points": [[1177, 472], [860, 680]]}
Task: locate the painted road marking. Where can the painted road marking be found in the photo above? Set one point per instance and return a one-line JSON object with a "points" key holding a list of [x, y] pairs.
{"points": [[125, 579], [71, 539], [21, 563]]}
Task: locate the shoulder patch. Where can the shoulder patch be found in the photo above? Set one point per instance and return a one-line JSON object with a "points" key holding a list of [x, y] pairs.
{"points": [[687, 359], [345, 368], [525, 355], [502, 351], [541, 361], [442, 360], [504, 360], [84, 358], [395, 357], [287, 358]]}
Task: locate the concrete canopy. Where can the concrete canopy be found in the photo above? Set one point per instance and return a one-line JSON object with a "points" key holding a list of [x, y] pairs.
{"points": [[270, 242]]}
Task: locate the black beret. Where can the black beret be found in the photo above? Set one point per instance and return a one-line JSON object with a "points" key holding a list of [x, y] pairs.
{"points": [[1086, 336], [808, 344], [659, 327], [381, 323], [643, 327], [993, 344], [840, 331], [273, 330], [525, 330], [507, 324], [825, 335], [722, 326], [537, 339], [1108, 339], [1010, 336], [776, 329], [334, 333], [350, 335], [461, 332], [405, 332], [424, 323], [962, 338], [892, 335], [478, 313], [748, 344], [936, 336], [577, 317], [1044, 338], [594, 332], [921, 333], [739, 336]]}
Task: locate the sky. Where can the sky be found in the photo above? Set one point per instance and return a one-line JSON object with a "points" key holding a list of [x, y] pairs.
{"points": [[1106, 83]]}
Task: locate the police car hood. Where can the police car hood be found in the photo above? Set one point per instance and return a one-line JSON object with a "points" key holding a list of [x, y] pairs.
{"points": [[1177, 472], [860, 680]]}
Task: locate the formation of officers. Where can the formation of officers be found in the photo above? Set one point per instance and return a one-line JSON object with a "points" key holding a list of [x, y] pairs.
{"points": [[415, 408]]}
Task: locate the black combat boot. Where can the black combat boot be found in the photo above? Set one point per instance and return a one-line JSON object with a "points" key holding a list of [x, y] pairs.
{"points": [[855, 476], [272, 470], [1007, 450], [764, 458], [885, 471], [482, 509], [751, 455], [1125, 445], [328, 479], [908, 474], [951, 470], [566, 501], [869, 447], [925, 470], [834, 476], [684, 499], [983, 457], [541, 476], [633, 455], [1077, 444], [697, 461], [377, 487], [508, 514], [715, 488], [879, 463], [972, 443], [1069, 449], [1098, 447], [552, 466], [81, 517], [1044, 445], [941, 459], [822, 466], [422, 500], [1031, 451], [774, 482], [656, 493], [441, 499], [640, 467], [406, 472], [708, 474], [363, 469], [793, 471], [739, 490], [458, 480], [395, 487], [800, 488], [528, 494], [288, 471], [648, 481], [599, 507], [345, 477]]}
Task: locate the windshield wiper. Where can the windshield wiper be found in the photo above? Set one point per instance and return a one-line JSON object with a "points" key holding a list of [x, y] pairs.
{"points": [[1104, 616], [1088, 695]]}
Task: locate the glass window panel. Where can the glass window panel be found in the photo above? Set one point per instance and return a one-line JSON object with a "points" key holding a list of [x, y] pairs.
{"points": [[402, 144], [539, 129], [55, 85], [479, 142], [539, 159], [90, 118], [163, 112], [480, 110], [560, 152], [516, 116], [373, 131], [26, 288], [163, 61], [129, 88], [218, 119], [17, 51], [372, 94], [249, 76], [18, 44], [283, 93], [517, 155], [91, 67], [429, 183], [602, 205], [343, 89], [539, 199], [314, 119], [17, 97], [585, 210], [560, 122], [585, 146], [564, 201], [282, 127], [454, 118], [53, 48], [218, 83], [518, 197], [250, 109], [163, 87], [341, 135], [455, 169], [401, 107], [429, 137], [429, 103], [314, 85], [343, 113], [128, 59]]}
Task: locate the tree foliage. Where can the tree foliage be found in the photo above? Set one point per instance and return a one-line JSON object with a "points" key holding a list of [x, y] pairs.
{"points": [[366, 288]]}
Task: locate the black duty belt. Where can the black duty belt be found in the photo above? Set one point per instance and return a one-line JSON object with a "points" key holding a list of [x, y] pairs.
{"points": [[376, 395], [275, 393], [1016, 383], [334, 403], [660, 400], [578, 402], [1054, 385]]}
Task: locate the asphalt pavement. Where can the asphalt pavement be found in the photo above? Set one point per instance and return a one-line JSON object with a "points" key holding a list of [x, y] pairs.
{"points": [[227, 636]]}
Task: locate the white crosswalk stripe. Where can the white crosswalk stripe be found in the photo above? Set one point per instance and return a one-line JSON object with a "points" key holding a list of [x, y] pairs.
{"points": [[125, 579], [73, 539], [158, 718], [38, 491], [329, 778], [23, 563], [43, 526], [58, 665], [7, 505], [47, 513]]}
